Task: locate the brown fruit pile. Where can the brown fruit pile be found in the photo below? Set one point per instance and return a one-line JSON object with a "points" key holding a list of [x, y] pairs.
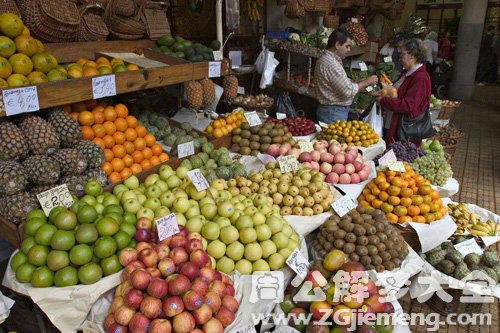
{"points": [[257, 139]]}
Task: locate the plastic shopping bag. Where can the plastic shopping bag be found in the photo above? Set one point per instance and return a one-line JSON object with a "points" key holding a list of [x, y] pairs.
{"points": [[283, 104], [270, 64], [374, 118]]}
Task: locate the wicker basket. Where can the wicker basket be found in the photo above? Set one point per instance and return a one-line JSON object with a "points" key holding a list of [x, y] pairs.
{"points": [[343, 3], [410, 236], [92, 26], [318, 5], [9, 6], [455, 306], [125, 8], [447, 112], [294, 9], [449, 145], [93, 2], [155, 20], [282, 2], [121, 27], [331, 21]]}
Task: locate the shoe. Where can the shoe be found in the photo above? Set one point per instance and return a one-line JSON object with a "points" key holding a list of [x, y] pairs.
{"points": [[480, 84]]}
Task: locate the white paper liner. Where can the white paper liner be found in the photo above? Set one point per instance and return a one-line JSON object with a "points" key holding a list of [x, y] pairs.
{"points": [[309, 137], [370, 152], [185, 115], [433, 234], [304, 225], [5, 305], [54, 301], [354, 190], [251, 163], [449, 189]]}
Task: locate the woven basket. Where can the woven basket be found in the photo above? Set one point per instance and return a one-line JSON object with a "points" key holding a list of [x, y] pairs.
{"points": [[121, 27], [410, 236], [282, 2], [447, 112], [331, 21], [318, 5], [9, 6], [294, 9], [93, 2], [449, 145], [92, 26], [155, 20], [343, 3], [455, 306], [125, 8]]}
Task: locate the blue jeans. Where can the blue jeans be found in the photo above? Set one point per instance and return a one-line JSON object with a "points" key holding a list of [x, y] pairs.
{"points": [[329, 113]]}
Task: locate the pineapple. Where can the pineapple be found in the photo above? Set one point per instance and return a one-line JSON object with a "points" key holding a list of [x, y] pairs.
{"points": [[194, 94], [97, 174], [230, 85], [13, 144], [13, 179], [16, 207], [37, 189], [70, 160], [92, 152], [41, 169], [66, 127], [208, 91], [42, 138], [75, 184]]}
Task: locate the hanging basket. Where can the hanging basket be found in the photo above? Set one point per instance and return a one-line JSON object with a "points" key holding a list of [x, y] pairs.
{"points": [[318, 5], [125, 8], [294, 9], [9, 6], [121, 27], [282, 2], [154, 18], [92, 26], [331, 21]]}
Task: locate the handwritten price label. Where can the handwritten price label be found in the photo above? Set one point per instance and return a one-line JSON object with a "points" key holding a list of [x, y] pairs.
{"points": [[388, 157], [218, 55], [469, 246], [387, 59], [298, 263], [343, 205], [280, 115], [241, 90], [305, 146], [248, 329], [20, 100], [354, 20], [199, 181], [57, 196], [104, 86], [288, 163], [167, 226], [185, 149], [363, 66], [397, 166], [214, 69], [253, 118]]}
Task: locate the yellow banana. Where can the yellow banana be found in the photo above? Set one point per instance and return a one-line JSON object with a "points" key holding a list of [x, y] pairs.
{"points": [[480, 227], [478, 233]]}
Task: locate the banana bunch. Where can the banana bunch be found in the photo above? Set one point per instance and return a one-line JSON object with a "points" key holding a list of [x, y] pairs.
{"points": [[461, 216], [252, 9], [488, 228]]}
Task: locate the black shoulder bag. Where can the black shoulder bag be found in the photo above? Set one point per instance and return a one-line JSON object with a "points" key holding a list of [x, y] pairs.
{"points": [[415, 129]]}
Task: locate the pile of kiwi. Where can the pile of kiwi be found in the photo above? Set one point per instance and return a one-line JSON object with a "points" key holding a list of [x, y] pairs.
{"points": [[257, 139], [366, 236]]}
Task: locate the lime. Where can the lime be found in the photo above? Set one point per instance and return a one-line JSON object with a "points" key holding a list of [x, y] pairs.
{"points": [[115, 216], [86, 233], [104, 247], [42, 277], [36, 213], [122, 239], [129, 218], [128, 228], [90, 273], [17, 260], [110, 265], [132, 243], [44, 234], [93, 188], [37, 255], [76, 205], [112, 208], [24, 272], [53, 213], [32, 225], [27, 244], [65, 220], [68, 276], [107, 226], [63, 240], [86, 214], [57, 260], [80, 254]]}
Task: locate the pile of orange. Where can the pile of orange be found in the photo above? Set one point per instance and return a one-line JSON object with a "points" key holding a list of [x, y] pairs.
{"points": [[128, 148], [403, 197], [85, 67], [225, 125]]}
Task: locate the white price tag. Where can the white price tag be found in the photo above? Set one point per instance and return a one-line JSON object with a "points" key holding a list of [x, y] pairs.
{"points": [[298, 263], [355, 20], [20, 100], [305, 146], [104, 86], [57, 196], [363, 66], [167, 226], [185, 149], [280, 115], [441, 122], [253, 118], [322, 124], [369, 88], [397, 166], [343, 205], [288, 163], [265, 158], [388, 157], [241, 90], [218, 55], [214, 69], [388, 59], [469, 246], [247, 329], [199, 181]]}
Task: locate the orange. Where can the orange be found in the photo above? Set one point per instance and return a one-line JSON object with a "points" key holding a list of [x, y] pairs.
{"points": [[108, 155], [384, 196], [150, 139], [398, 210], [26, 44], [376, 203], [434, 207], [125, 173], [119, 151], [21, 64], [129, 147], [132, 67], [90, 71], [102, 60], [11, 25], [404, 219], [376, 191], [434, 195], [364, 203], [140, 143], [424, 189], [427, 199], [5, 68], [137, 156], [75, 73], [81, 61], [141, 131], [429, 217], [109, 141], [131, 121], [74, 115], [104, 69], [110, 113], [393, 190], [424, 208], [413, 210], [121, 124], [406, 202], [155, 160], [145, 164], [119, 138], [379, 179], [130, 134], [115, 177], [107, 168], [116, 61], [370, 197], [121, 110], [86, 118], [117, 164], [420, 219], [99, 130], [164, 157], [87, 132], [386, 208], [393, 200], [146, 152], [392, 218], [157, 149], [417, 200], [218, 133], [136, 168], [90, 63], [7, 47], [110, 127], [406, 192], [98, 116], [361, 198], [99, 142], [128, 160]]}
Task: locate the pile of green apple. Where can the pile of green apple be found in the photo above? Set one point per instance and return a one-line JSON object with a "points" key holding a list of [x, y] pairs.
{"points": [[241, 233], [74, 245], [301, 193]]}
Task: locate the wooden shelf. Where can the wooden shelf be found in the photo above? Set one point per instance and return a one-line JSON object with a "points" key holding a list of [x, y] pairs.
{"points": [[286, 85]]}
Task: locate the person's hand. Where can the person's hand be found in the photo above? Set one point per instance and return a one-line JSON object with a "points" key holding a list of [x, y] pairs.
{"points": [[372, 80], [378, 98]]}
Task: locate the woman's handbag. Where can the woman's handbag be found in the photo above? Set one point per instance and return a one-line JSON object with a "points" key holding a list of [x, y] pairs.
{"points": [[415, 129]]}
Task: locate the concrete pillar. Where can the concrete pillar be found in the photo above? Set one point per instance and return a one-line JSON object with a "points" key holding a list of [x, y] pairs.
{"points": [[470, 32]]}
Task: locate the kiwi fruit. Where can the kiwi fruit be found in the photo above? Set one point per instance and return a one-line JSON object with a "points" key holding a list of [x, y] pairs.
{"points": [[381, 236], [245, 134], [370, 229], [361, 250], [389, 265], [245, 126], [370, 267], [265, 139], [339, 234], [263, 132], [362, 240], [330, 238], [354, 257], [349, 248], [350, 237], [254, 152], [264, 146], [359, 230], [381, 247], [339, 243], [235, 148], [327, 246], [380, 226], [384, 255], [376, 260], [244, 143], [374, 240], [254, 145], [365, 260], [372, 250], [380, 268], [245, 150]]}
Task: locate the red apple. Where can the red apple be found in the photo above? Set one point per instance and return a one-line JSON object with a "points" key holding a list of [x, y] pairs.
{"points": [[371, 287], [229, 289], [133, 265], [207, 274], [173, 306], [197, 330], [202, 314], [194, 235], [117, 328], [166, 267], [200, 286], [166, 241], [352, 266], [178, 285], [213, 301], [142, 235], [213, 326], [199, 257], [122, 288], [154, 237], [123, 315], [218, 275], [143, 245], [295, 318], [133, 298], [127, 255], [143, 223], [193, 244], [178, 241], [109, 320], [139, 323], [151, 307], [183, 323], [160, 326], [158, 288], [155, 272], [377, 303], [225, 316], [178, 255], [316, 278], [225, 278], [140, 279], [149, 257], [192, 300], [353, 302], [365, 310], [389, 308], [319, 308], [162, 250], [116, 303], [190, 270], [182, 231], [230, 303], [218, 287]]}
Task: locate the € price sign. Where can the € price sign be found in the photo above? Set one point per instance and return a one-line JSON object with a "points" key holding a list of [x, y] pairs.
{"points": [[343, 205], [20, 100], [305, 146], [397, 166], [199, 181], [298, 263], [57, 196], [104, 86], [214, 69], [363, 66], [388, 157], [469, 246], [288, 163], [167, 226], [253, 118], [280, 115], [185, 149]]}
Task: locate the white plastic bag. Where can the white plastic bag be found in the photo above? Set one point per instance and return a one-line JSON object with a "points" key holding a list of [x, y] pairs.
{"points": [[375, 120], [268, 70]]}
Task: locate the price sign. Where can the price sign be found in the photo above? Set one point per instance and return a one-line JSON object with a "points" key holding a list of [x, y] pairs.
{"points": [[57, 196], [388, 157], [397, 166], [167, 226], [185, 149], [20, 100], [253, 118], [199, 181], [305, 146], [369, 88], [363, 66], [247, 329], [387, 59], [322, 124], [469, 246], [343, 205], [441, 122], [265, 158], [241, 90], [280, 115], [288, 163], [104, 86], [214, 69], [218, 55], [355, 20], [298, 263]]}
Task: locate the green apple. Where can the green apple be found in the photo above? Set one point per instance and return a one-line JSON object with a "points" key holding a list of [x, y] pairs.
{"points": [[250, 210], [142, 199], [99, 208], [244, 221], [213, 262], [213, 192], [181, 172], [263, 232], [281, 240], [204, 243], [180, 193], [181, 205], [248, 235], [261, 266], [237, 213], [285, 253], [151, 179], [181, 219], [276, 261], [244, 267], [268, 248], [225, 209], [153, 191], [192, 211], [100, 198], [111, 200], [295, 237], [132, 205], [287, 230], [258, 219], [162, 185], [210, 231], [275, 224], [229, 234], [173, 182], [219, 184], [194, 224], [161, 211], [89, 199], [235, 251], [216, 249], [145, 212], [225, 265], [206, 200], [222, 221], [209, 210], [239, 206], [131, 182], [167, 199], [292, 244], [253, 251], [119, 188], [126, 195], [152, 203], [193, 192], [264, 209], [165, 171]]}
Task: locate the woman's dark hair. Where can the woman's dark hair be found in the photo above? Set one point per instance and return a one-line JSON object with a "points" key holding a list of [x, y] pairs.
{"points": [[340, 35], [415, 48]]}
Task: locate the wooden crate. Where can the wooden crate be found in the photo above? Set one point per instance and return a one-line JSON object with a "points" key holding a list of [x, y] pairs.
{"points": [[11, 232]]}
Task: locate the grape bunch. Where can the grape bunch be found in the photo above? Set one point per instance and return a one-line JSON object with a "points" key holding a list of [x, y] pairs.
{"points": [[404, 151], [433, 167]]}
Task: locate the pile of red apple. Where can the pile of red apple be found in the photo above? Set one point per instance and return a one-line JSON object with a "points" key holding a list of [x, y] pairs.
{"points": [[298, 126], [171, 287], [340, 163]]}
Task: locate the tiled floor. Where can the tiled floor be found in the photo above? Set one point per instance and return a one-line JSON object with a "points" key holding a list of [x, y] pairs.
{"points": [[476, 166]]}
